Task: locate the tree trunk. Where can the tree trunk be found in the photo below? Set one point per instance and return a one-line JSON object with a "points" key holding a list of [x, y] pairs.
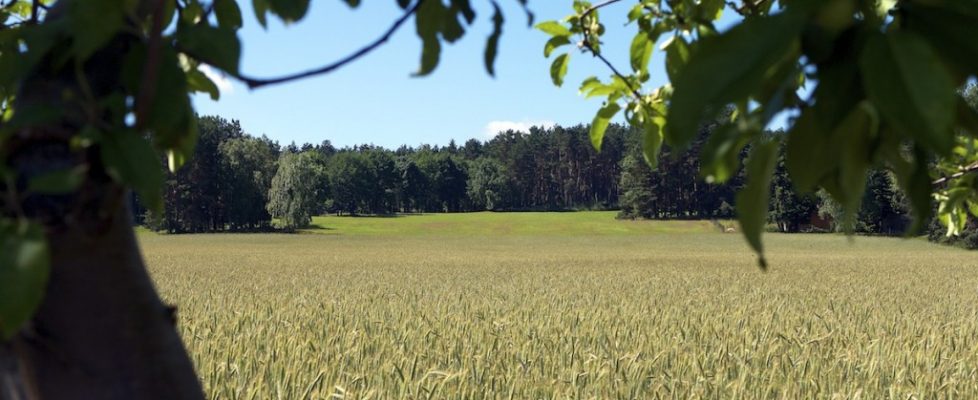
{"points": [[101, 331]]}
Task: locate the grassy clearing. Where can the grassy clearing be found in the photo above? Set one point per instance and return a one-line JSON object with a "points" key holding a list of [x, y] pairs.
{"points": [[492, 223], [560, 311]]}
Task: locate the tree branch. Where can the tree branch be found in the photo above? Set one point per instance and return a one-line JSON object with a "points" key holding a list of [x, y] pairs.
{"points": [[254, 83], [589, 46], [7, 5], [747, 7], [964, 171], [597, 6], [35, 4], [638, 95], [147, 89]]}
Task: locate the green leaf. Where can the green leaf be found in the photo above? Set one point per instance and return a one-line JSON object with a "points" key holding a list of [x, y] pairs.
{"points": [[553, 28], [171, 119], [169, 11], [554, 43], [810, 154], [677, 56], [834, 16], [853, 140], [911, 88], [600, 123], [950, 33], [636, 12], [720, 157], [25, 264], [21, 8], [93, 23], [559, 68], [529, 14], [59, 181], [175, 160], [839, 90], [192, 12], [428, 22], [915, 181], [883, 7], [30, 115], [216, 46], [15, 63], [352, 3], [967, 117], [951, 209], [781, 82], [465, 9], [963, 7], [289, 10], [452, 29], [592, 87], [492, 43], [261, 11], [710, 10], [228, 14], [973, 208], [727, 68], [131, 161], [651, 142], [752, 200], [640, 52], [430, 54], [199, 82], [178, 155]]}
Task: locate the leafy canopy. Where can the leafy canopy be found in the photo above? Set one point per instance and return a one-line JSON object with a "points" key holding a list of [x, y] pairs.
{"points": [[126, 69], [868, 84]]}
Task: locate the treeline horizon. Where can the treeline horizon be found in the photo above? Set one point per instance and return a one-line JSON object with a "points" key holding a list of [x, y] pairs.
{"points": [[239, 182]]}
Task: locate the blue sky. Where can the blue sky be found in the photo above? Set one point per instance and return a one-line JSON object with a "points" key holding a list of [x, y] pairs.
{"points": [[375, 100]]}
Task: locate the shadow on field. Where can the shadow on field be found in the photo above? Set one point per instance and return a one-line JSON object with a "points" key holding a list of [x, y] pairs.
{"points": [[398, 215], [320, 227]]}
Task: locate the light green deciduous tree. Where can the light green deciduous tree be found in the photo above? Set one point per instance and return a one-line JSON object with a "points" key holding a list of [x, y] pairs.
{"points": [[292, 197]]}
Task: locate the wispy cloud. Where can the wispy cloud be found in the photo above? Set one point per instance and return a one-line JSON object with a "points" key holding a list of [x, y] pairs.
{"points": [[493, 128], [221, 80]]}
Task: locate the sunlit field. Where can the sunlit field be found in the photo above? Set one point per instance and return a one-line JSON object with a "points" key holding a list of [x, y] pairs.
{"points": [[568, 306]]}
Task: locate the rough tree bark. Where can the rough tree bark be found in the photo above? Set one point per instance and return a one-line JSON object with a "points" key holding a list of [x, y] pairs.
{"points": [[102, 331]]}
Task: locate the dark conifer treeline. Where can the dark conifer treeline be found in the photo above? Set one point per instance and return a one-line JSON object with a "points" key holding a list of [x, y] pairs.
{"points": [[238, 182], [675, 189], [228, 184]]}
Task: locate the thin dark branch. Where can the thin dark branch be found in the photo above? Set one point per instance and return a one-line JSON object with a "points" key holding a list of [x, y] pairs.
{"points": [[964, 171], [638, 95], [655, 11], [257, 82], [35, 4], [597, 6], [147, 89], [590, 47], [208, 12], [747, 7]]}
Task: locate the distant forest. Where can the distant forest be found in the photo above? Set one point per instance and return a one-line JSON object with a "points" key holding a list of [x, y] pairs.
{"points": [[239, 182]]}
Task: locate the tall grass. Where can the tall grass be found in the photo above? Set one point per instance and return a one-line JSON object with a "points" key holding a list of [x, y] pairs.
{"points": [[551, 315]]}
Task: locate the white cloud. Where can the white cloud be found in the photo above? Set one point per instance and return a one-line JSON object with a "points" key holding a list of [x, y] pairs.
{"points": [[219, 78], [493, 128]]}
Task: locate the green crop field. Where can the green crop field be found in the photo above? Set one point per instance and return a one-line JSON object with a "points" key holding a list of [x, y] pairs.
{"points": [[568, 306]]}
